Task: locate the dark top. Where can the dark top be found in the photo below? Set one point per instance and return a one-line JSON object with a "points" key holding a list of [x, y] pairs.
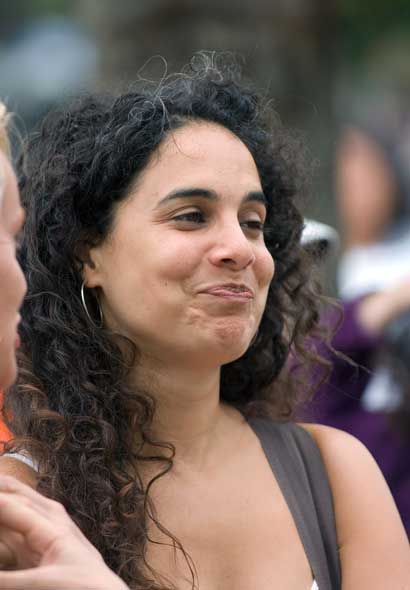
{"points": [[297, 464]]}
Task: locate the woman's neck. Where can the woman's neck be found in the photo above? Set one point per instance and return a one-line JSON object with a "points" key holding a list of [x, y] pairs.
{"points": [[188, 412]]}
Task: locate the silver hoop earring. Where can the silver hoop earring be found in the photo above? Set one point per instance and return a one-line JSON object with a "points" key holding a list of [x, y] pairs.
{"points": [[101, 323]]}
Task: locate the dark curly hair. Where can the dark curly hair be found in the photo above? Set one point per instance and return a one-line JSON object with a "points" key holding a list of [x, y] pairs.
{"points": [[71, 408]]}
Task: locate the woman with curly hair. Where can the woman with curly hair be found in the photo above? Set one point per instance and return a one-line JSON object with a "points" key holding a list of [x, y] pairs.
{"points": [[32, 525], [166, 288]]}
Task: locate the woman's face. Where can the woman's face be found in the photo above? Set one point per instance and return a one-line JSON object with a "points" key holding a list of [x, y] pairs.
{"points": [[13, 285], [365, 188], [185, 271]]}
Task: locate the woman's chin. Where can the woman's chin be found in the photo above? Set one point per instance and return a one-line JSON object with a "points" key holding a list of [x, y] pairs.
{"points": [[234, 334], [230, 349]]}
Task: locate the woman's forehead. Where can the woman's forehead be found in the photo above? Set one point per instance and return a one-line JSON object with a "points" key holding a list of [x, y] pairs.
{"points": [[200, 150]]}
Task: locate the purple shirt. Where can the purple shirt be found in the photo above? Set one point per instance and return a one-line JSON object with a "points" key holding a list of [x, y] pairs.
{"points": [[337, 403]]}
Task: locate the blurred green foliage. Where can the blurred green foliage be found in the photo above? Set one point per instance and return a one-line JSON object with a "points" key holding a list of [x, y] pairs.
{"points": [[360, 22], [35, 8], [363, 22], [16, 13]]}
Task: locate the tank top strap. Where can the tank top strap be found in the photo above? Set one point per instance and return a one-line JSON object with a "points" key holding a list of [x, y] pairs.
{"points": [[296, 462]]}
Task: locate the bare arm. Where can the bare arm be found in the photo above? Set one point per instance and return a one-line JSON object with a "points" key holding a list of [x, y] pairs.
{"points": [[19, 470], [378, 309], [374, 549]]}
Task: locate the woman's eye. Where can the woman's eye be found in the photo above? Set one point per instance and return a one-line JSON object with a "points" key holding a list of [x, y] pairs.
{"points": [[253, 225], [190, 217]]}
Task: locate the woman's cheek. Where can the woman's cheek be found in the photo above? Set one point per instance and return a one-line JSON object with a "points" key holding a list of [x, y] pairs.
{"points": [[266, 267]]}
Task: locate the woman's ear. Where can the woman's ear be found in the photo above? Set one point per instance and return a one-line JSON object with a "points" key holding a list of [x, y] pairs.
{"points": [[91, 267]]}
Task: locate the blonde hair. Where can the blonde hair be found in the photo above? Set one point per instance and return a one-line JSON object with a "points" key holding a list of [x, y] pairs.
{"points": [[4, 138]]}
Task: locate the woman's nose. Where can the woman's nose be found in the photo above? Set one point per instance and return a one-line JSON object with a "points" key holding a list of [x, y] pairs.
{"points": [[232, 248]]}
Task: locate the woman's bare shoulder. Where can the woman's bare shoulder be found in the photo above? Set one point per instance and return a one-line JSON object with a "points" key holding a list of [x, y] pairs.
{"points": [[371, 537], [333, 441], [19, 470]]}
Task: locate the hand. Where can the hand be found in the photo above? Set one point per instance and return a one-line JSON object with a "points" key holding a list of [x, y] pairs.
{"points": [[49, 551], [378, 309]]}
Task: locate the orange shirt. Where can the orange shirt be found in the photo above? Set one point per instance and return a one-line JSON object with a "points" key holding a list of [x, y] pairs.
{"points": [[4, 432]]}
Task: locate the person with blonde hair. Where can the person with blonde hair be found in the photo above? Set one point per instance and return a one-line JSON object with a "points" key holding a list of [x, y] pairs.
{"points": [[5, 149]]}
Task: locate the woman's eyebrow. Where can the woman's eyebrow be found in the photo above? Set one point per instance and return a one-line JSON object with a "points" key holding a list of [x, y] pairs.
{"points": [[257, 196], [182, 193]]}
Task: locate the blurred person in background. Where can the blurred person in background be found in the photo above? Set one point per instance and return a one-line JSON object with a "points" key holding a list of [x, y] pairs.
{"points": [[372, 399], [166, 286]]}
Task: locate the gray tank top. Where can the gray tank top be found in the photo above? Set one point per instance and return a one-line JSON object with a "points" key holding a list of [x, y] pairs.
{"points": [[297, 464]]}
